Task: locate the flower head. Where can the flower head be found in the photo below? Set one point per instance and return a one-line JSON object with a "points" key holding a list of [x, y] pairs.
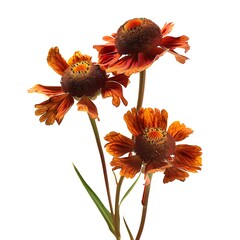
{"points": [[137, 44], [82, 80], [155, 146]]}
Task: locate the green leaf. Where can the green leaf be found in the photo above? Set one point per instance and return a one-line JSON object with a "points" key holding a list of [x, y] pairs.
{"points": [[105, 213], [130, 189], [128, 229]]}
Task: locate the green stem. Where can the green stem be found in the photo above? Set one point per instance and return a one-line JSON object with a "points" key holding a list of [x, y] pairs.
{"points": [[96, 133], [117, 215], [145, 206]]}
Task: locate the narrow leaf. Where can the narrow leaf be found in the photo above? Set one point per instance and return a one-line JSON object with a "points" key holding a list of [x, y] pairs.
{"points": [[130, 189], [105, 213], [128, 229]]}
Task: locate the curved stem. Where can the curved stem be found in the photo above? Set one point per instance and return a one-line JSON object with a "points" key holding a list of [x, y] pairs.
{"points": [[95, 130], [144, 209]]}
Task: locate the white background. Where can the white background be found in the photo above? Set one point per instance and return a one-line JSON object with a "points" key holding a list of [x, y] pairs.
{"points": [[41, 196]]}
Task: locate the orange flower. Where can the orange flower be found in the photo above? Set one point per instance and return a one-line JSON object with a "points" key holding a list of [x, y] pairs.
{"points": [[154, 146], [137, 44], [82, 80]]}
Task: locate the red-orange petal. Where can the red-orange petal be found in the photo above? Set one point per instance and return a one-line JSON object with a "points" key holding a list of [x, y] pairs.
{"points": [[167, 28], [63, 108], [175, 42], [78, 57], [173, 173], [120, 78], [132, 122], [114, 90], [85, 104], [179, 131], [46, 90], [156, 166], [188, 157], [129, 166], [118, 145], [54, 109], [133, 63], [56, 61]]}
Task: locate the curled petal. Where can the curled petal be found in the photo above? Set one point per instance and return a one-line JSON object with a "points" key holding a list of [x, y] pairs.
{"points": [[85, 104], [56, 61], [129, 166], [54, 109], [179, 131], [78, 57], [188, 157], [173, 173], [114, 90], [46, 90], [118, 144]]}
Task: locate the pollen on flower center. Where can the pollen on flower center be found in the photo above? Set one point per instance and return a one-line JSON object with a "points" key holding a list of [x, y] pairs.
{"points": [[154, 143], [133, 24], [155, 135], [137, 35], [81, 68], [83, 79]]}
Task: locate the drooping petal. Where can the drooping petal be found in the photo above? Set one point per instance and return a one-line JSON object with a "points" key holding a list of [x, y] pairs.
{"points": [[118, 144], [78, 57], [175, 42], [85, 104], [63, 108], [129, 166], [180, 58], [156, 166], [56, 61], [107, 53], [134, 63], [120, 78], [179, 131], [54, 109], [114, 90], [173, 173], [188, 157], [46, 90]]}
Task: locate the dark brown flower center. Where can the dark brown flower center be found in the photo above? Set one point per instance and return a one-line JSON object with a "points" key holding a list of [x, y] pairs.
{"points": [[154, 144], [83, 79], [137, 35]]}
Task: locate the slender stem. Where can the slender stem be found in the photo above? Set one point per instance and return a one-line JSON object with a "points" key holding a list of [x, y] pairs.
{"points": [[145, 206], [142, 78], [96, 133], [117, 215], [146, 191]]}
